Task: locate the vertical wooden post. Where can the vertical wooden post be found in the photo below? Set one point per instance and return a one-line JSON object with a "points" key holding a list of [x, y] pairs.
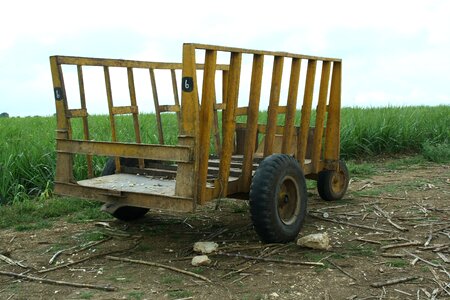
{"points": [[206, 118], [111, 113], [252, 121], [186, 180], [229, 119], [302, 139], [175, 92], [64, 161], [135, 113], [272, 112], [291, 106], [320, 117], [157, 110], [84, 118], [332, 137]]}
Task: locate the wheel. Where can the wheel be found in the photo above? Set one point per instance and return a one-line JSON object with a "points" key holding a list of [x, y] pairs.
{"points": [[278, 199], [124, 213], [331, 184]]}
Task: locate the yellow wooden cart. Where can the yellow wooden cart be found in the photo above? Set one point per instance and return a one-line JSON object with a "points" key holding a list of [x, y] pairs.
{"points": [[224, 149]]}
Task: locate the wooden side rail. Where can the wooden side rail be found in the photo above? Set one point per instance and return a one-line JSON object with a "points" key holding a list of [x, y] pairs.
{"points": [[155, 152]]}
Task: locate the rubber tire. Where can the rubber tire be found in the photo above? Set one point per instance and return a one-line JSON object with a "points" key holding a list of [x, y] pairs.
{"points": [[124, 213], [325, 182], [264, 193]]}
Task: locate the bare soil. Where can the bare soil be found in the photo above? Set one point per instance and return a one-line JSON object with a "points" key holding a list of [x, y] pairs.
{"points": [[414, 198]]}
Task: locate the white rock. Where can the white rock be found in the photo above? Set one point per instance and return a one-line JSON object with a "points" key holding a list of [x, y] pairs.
{"points": [[200, 260], [319, 241], [205, 247], [274, 295]]}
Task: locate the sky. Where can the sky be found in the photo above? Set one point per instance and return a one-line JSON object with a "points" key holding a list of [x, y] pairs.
{"points": [[395, 53]]}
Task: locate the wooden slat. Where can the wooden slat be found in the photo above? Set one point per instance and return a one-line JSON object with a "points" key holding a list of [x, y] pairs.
{"points": [[77, 113], [241, 111], [215, 128], [282, 109], [206, 119], [132, 90], [111, 112], [106, 62], [272, 112], [169, 108], [320, 116], [64, 162], [186, 176], [133, 150], [84, 118], [124, 110], [154, 201], [306, 111], [225, 80], [228, 118], [218, 106], [252, 121], [261, 52], [176, 98], [291, 105], [333, 121], [157, 111]]}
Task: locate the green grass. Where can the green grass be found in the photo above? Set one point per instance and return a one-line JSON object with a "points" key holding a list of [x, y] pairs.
{"points": [[397, 263], [178, 294], [31, 214], [28, 159]]}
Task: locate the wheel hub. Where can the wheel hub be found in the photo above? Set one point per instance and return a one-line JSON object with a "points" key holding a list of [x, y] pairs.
{"points": [[288, 201]]}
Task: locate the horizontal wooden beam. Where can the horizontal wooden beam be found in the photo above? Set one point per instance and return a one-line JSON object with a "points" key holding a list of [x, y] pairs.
{"points": [[122, 63], [153, 201], [76, 113], [154, 152], [122, 110], [169, 108], [261, 52]]}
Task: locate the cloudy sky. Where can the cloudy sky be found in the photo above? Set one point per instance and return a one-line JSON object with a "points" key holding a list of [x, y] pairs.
{"points": [[394, 52]]}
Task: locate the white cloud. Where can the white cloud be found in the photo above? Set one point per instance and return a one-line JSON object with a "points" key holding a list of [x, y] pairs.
{"points": [[392, 50]]}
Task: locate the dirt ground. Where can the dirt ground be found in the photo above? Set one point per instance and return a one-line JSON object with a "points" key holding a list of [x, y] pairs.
{"points": [[405, 209]]}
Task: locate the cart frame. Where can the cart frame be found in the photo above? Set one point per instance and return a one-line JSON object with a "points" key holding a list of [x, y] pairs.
{"points": [[315, 148]]}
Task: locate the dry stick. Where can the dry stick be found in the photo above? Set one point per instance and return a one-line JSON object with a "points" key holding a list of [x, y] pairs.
{"points": [[342, 270], [83, 247], [91, 244], [382, 197], [84, 259], [413, 243], [438, 280], [388, 218], [440, 229], [428, 241], [352, 224], [52, 259], [278, 249], [45, 280], [423, 260], [393, 281], [12, 262], [395, 255], [367, 241], [236, 271], [148, 263], [281, 261]]}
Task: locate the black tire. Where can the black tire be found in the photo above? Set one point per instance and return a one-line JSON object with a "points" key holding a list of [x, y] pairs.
{"points": [[124, 213], [278, 199], [332, 185]]}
